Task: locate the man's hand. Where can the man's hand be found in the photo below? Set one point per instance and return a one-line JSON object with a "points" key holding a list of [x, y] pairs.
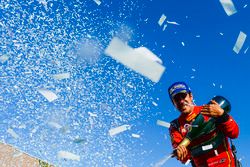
{"points": [[182, 152], [212, 110]]}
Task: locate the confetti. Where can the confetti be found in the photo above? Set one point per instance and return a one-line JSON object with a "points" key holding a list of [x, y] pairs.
{"points": [[228, 7], [183, 44], [246, 50], [135, 135], [98, 2], [12, 133], [164, 27], [92, 114], [163, 123], [154, 103], [119, 129], [61, 76], [132, 58], [49, 95], [55, 125], [4, 58], [173, 22], [162, 19], [68, 155], [239, 43]]}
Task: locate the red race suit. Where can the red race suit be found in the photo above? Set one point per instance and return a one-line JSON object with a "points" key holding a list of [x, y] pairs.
{"points": [[210, 149]]}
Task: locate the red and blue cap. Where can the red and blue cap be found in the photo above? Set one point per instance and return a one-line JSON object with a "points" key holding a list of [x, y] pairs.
{"points": [[178, 87]]}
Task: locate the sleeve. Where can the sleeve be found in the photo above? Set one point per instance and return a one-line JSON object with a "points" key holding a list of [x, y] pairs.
{"points": [[228, 126], [176, 138]]}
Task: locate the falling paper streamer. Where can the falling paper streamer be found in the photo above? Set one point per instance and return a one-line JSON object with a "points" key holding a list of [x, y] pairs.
{"points": [[239, 43], [162, 19], [135, 135], [119, 129], [136, 61], [98, 2], [163, 123], [228, 7], [61, 76], [4, 58], [49, 95], [12, 133], [68, 155], [207, 147]]}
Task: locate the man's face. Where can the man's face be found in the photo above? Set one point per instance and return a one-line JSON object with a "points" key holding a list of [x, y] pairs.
{"points": [[183, 102]]}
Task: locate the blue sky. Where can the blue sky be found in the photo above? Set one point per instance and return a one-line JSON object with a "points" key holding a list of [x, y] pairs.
{"points": [[43, 38]]}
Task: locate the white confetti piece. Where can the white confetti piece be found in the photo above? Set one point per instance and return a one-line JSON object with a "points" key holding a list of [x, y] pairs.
{"points": [[135, 135], [154, 103], [197, 36], [173, 22], [164, 27], [221, 86], [228, 7], [4, 58], [213, 84], [163, 123], [193, 69], [140, 63], [245, 6], [162, 19], [239, 43], [221, 33], [12, 133], [246, 50], [68, 155], [207, 147], [61, 76], [97, 2], [183, 44], [119, 129], [192, 77], [55, 125], [49, 95], [92, 114]]}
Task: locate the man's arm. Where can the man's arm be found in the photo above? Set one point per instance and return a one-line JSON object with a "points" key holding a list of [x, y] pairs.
{"points": [[182, 153]]}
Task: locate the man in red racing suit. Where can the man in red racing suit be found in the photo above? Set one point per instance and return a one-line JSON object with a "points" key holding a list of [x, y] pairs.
{"points": [[210, 149]]}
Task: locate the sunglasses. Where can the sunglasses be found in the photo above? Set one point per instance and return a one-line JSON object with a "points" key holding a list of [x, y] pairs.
{"points": [[180, 96]]}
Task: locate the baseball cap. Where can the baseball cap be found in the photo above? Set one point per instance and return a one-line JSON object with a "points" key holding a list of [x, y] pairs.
{"points": [[178, 87]]}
